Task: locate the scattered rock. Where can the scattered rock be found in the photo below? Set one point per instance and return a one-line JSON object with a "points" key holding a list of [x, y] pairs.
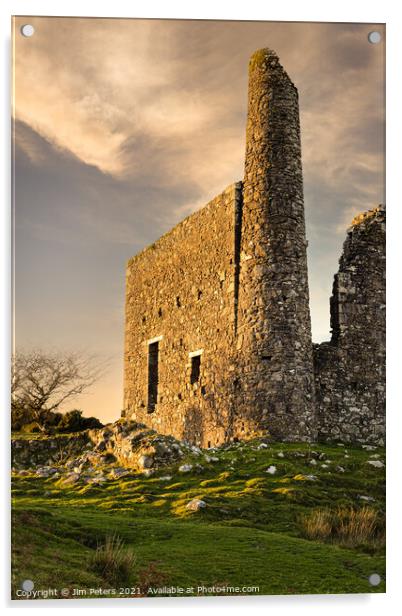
{"points": [[45, 471], [71, 478], [376, 463], [185, 468], [271, 470], [97, 480], [162, 449], [145, 461], [116, 473], [177, 449], [196, 504]]}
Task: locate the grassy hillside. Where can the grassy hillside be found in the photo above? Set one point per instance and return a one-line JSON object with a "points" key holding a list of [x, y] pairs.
{"points": [[286, 518]]}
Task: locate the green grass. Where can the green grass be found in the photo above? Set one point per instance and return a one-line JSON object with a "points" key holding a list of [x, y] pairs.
{"points": [[250, 533]]}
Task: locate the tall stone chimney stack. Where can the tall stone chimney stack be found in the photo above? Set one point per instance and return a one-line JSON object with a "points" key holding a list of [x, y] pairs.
{"points": [[273, 308]]}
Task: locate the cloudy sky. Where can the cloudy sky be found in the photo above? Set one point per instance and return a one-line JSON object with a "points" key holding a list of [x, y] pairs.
{"points": [[124, 127]]}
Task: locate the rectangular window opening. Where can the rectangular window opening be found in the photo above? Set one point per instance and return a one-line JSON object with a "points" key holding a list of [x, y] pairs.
{"points": [[195, 369], [153, 377]]}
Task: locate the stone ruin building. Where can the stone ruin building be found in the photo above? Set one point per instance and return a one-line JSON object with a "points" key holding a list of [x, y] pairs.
{"points": [[218, 338]]}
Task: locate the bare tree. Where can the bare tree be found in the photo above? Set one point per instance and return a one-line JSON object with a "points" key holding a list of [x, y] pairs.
{"points": [[43, 382]]}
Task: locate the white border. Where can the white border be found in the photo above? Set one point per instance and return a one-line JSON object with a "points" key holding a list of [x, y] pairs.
{"points": [[307, 10]]}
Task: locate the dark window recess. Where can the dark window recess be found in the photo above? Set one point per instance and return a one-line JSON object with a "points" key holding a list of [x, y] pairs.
{"points": [[153, 358], [160, 312], [180, 396], [203, 390], [237, 383], [195, 369], [209, 444], [266, 357], [144, 319], [199, 294], [178, 302], [181, 342]]}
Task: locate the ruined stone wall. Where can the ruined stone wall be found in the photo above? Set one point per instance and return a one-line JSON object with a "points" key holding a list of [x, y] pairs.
{"points": [[220, 305], [274, 318], [232, 280], [350, 369], [183, 290], [28, 452]]}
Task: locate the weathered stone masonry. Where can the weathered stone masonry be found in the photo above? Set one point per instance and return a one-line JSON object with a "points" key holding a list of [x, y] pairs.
{"points": [[218, 337], [277, 363], [181, 296], [350, 369]]}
